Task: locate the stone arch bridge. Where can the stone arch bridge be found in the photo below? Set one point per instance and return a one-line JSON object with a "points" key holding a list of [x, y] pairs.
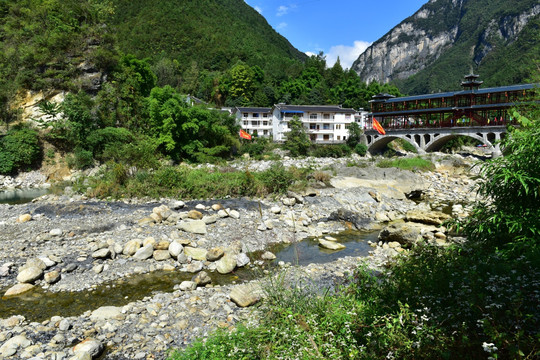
{"points": [[433, 139]]}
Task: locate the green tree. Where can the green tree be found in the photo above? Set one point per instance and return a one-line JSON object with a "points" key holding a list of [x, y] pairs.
{"points": [[77, 122], [19, 149], [355, 134], [167, 72], [297, 141], [191, 133]]}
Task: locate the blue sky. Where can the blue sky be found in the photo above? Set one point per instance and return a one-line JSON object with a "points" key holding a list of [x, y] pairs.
{"points": [[341, 28]]}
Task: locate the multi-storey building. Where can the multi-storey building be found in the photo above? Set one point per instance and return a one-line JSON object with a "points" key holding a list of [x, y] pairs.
{"points": [[323, 123], [256, 121]]}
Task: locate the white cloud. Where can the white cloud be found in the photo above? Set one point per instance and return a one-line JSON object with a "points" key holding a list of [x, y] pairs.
{"points": [[347, 54], [258, 9], [309, 53], [281, 25], [282, 10]]}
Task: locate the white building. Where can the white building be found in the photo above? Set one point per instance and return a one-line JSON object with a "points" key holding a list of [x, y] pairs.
{"points": [[256, 121], [323, 123]]}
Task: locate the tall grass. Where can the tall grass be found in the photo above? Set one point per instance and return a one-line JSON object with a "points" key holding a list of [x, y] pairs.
{"points": [[416, 163], [184, 182], [437, 303]]}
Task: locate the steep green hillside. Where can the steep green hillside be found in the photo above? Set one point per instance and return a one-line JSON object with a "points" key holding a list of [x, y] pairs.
{"points": [[209, 34], [72, 44]]}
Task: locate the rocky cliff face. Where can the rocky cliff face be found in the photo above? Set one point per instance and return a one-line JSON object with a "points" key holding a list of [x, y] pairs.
{"points": [[438, 27]]}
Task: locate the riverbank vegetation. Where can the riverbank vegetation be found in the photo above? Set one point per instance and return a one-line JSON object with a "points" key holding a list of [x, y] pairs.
{"points": [[477, 299], [184, 182]]}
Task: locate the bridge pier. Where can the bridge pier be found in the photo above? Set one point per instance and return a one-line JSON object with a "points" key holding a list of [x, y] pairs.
{"points": [[496, 151]]}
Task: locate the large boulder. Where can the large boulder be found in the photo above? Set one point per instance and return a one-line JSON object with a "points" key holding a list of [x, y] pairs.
{"points": [[105, 313], [226, 264], [246, 294], [427, 217], [175, 249], [193, 227], [131, 247], [18, 289], [406, 233], [91, 347], [29, 274], [331, 245], [145, 252], [196, 253]]}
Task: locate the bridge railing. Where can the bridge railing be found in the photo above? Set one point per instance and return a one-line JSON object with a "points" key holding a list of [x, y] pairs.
{"points": [[400, 125]]}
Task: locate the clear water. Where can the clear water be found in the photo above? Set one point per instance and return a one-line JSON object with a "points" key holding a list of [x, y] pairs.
{"points": [[21, 196], [38, 305]]}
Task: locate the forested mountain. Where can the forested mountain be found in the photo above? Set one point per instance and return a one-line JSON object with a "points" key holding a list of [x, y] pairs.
{"points": [[446, 39], [223, 52], [208, 34]]}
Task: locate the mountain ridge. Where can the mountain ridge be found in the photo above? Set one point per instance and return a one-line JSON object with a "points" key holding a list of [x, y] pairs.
{"points": [[445, 39]]}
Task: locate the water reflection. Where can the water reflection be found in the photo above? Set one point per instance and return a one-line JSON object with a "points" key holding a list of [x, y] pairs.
{"points": [[21, 196]]}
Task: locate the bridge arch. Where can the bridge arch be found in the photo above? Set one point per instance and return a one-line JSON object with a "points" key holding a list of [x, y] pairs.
{"points": [[438, 140], [433, 139], [376, 143]]}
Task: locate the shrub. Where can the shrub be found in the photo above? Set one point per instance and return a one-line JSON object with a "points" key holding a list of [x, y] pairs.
{"points": [[361, 149], [19, 150], [141, 153], [277, 179], [80, 158], [104, 143], [321, 176], [255, 148], [332, 151]]}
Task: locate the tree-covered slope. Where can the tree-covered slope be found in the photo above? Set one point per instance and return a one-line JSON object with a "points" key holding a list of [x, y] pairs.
{"points": [[446, 39], [212, 34]]}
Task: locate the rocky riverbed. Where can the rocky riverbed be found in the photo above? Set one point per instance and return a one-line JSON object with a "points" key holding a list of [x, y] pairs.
{"points": [[74, 245]]}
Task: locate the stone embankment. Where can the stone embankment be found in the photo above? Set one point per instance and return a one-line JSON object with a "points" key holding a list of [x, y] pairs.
{"points": [[73, 244]]}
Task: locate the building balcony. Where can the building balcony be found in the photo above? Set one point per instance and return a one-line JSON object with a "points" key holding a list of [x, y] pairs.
{"points": [[320, 131], [251, 118], [265, 127]]}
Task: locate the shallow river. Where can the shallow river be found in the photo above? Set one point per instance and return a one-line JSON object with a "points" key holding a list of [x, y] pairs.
{"points": [[38, 304]]}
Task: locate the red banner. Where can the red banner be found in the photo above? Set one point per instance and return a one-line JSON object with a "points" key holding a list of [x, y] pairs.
{"points": [[378, 127], [245, 135]]}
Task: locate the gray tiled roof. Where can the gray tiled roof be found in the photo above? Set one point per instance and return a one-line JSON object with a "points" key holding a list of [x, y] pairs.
{"points": [[314, 108], [262, 110]]}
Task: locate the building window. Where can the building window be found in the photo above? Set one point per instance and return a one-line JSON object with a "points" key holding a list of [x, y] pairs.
{"points": [[326, 116], [326, 137], [347, 116], [312, 126], [265, 115], [265, 123], [255, 114], [265, 132], [339, 137], [338, 127], [245, 123], [326, 127], [313, 116], [245, 115]]}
